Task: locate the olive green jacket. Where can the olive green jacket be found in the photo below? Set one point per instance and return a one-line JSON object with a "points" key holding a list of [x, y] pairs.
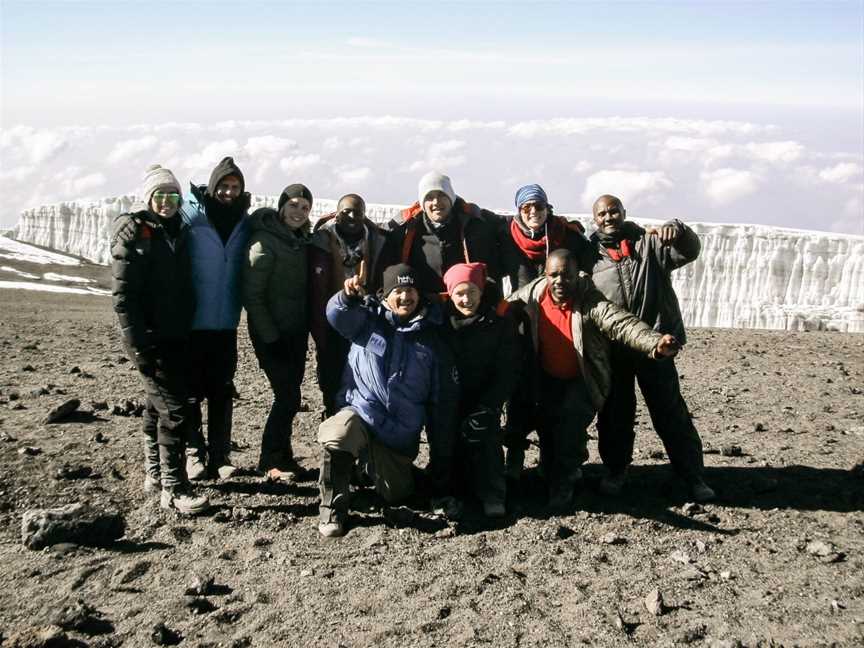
{"points": [[598, 321], [275, 277]]}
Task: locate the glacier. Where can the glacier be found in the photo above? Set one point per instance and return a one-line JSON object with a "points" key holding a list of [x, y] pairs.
{"points": [[747, 276]]}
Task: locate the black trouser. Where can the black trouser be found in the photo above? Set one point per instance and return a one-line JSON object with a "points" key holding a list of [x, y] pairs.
{"points": [[658, 382], [480, 463], [285, 374], [565, 413], [212, 365], [330, 364], [166, 414]]}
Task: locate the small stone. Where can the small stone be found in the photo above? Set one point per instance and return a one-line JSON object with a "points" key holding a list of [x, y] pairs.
{"points": [[6, 438], [200, 585], [136, 571], [819, 548], [28, 367], [654, 602], [692, 508], [45, 637], [701, 547], [75, 370], [657, 454], [82, 617], [759, 427], [613, 538], [30, 451], [681, 556], [14, 394], [448, 532], [73, 472], [72, 523], [305, 573], [836, 606], [564, 532], [62, 411], [99, 405], [99, 438], [162, 635], [726, 575], [262, 542], [198, 605], [732, 451], [36, 393], [240, 514], [63, 548]]}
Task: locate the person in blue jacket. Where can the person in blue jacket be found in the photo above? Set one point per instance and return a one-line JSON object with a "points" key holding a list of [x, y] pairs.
{"points": [[399, 379], [218, 232]]}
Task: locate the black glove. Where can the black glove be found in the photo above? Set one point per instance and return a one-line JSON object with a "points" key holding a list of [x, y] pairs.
{"points": [[478, 424]]}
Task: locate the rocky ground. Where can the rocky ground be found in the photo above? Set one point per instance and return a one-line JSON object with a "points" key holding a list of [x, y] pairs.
{"points": [[777, 560]]}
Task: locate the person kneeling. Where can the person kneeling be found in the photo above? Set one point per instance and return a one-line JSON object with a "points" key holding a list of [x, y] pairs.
{"points": [[398, 379], [482, 338]]}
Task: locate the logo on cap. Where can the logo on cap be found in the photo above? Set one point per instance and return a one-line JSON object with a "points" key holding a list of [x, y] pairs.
{"points": [[405, 280]]}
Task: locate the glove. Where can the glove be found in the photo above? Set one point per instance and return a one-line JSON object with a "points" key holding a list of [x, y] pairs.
{"points": [[476, 426], [145, 360]]}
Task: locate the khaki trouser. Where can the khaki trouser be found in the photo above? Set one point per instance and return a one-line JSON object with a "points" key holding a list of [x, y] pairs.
{"points": [[391, 472]]}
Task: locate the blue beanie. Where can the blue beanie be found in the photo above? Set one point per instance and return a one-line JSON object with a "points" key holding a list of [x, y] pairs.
{"points": [[530, 193]]}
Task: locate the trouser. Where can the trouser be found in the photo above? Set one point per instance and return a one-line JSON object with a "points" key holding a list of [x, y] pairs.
{"points": [[166, 414], [391, 472], [480, 464], [285, 374], [330, 367], [658, 382], [565, 413], [212, 365]]}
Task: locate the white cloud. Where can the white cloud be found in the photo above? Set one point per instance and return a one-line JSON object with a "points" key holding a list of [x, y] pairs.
{"points": [[581, 126], [444, 155], [295, 163], [841, 173], [17, 174], [39, 146], [211, 155], [582, 166], [332, 143], [629, 186], [131, 147], [267, 145], [682, 143], [724, 186], [354, 176], [775, 151]]}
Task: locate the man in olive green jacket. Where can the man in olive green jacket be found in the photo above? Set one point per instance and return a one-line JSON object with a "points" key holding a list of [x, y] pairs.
{"points": [[571, 323], [274, 295]]}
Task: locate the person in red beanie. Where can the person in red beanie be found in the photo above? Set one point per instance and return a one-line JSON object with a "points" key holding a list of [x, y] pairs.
{"points": [[482, 337]]}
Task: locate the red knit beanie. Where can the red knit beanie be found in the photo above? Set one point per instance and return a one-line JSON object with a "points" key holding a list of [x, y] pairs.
{"points": [[461, 272]]}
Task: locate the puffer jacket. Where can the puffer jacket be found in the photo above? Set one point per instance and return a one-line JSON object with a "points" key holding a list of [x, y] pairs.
{"points": [[486, 353], [399, 377], [469, 236], [216, 268], [327, 271], [595, 321], [642, 282], [274, 277], [518, 270], [151, 286]]}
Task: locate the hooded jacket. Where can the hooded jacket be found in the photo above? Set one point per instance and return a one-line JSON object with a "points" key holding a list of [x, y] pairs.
{"points": [[151, 287], [595, 321], [399, 377], [327, 270], [642, 282], [274, 277], [468, 236], [216, 267]]}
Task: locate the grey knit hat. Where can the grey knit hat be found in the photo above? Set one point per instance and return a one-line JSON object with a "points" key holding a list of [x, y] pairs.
{"points": [[156, 177], [435, 181]]}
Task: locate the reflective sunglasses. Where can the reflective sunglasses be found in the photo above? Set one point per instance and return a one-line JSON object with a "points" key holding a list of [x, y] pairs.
{"points": [[162, 197]]}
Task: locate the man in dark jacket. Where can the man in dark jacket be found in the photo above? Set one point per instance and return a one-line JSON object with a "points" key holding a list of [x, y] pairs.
{"points": [[399, 380], [482, 338], [441, 230], [571, 324], [153, 299], [344, 244], [216, 214], [633, 269]]}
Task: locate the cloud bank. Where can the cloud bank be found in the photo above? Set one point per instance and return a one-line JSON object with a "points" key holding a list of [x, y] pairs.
{"points": [[697, 170]]}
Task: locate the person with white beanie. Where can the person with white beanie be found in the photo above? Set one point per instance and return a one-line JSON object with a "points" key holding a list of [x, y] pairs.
{"points": [[154, 301], [439, 231]]}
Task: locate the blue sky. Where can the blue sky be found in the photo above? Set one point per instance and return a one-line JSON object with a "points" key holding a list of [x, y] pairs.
{"points": [[792, 70]]}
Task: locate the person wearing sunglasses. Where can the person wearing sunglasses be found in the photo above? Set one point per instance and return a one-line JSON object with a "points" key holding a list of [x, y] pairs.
{"points": [[154, 301], [275, 295], [217, 214], [527, 239]]}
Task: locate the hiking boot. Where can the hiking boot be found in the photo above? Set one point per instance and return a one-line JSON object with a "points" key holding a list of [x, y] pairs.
{"points": [[183, 500], [195, 467], [152, 484], [331, 522], [700, 491], [613, 483], [494, 509], [335, 489], [221, 468], [513, 463]]}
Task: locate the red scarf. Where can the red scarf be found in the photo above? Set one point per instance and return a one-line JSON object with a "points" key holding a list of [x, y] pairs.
{"points": [[617, 255], [536, 250]]}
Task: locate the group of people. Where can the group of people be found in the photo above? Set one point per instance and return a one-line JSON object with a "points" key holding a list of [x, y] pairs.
{"points": [[472, 327]]}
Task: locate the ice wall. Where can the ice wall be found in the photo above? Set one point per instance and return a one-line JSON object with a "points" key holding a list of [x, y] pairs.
{"points": [[748, 276]]}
